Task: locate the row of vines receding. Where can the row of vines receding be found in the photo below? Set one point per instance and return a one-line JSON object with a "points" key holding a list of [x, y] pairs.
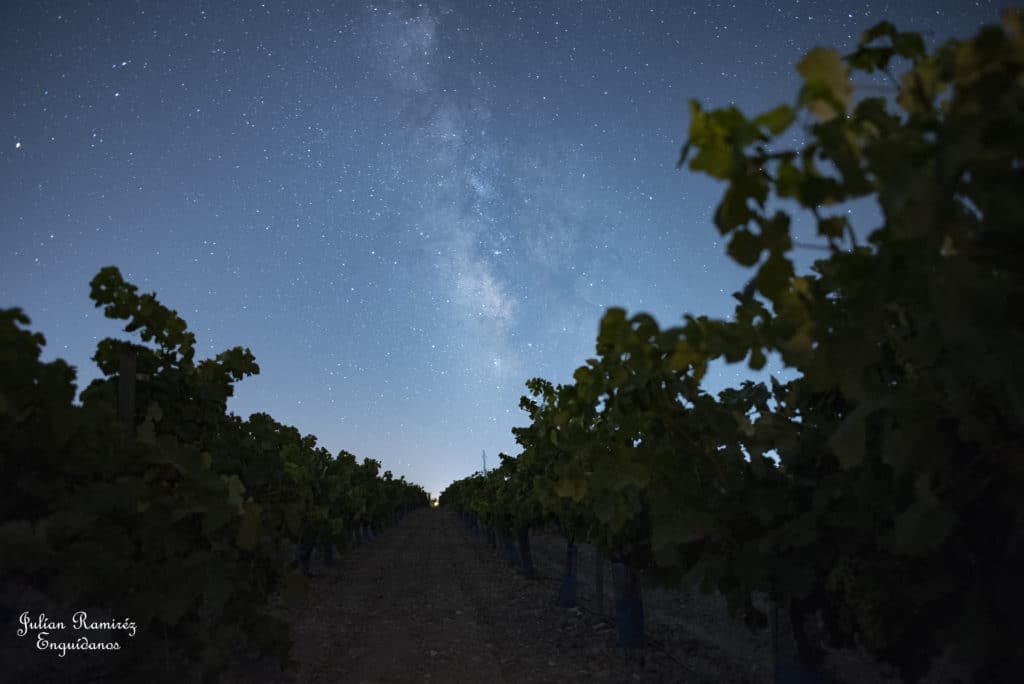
{"points": [[881, 489], [148, 501]]}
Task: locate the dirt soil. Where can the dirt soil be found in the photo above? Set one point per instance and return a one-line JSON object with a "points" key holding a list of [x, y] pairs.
{"points": [[429, 602]]}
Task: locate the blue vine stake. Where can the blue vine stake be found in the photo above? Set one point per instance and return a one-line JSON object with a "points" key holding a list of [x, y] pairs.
{"points": [[525, 555], [511, 552], [567, 592], [794, 673], [629, 606]]}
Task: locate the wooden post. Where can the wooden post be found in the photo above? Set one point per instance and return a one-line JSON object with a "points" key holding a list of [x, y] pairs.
{"points": [[126, 391]]}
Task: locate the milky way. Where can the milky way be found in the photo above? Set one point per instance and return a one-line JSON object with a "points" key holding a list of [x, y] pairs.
{"points": [[404, 209]]}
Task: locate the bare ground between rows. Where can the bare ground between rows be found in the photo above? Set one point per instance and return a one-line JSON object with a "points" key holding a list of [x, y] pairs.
{"points": [[426, 602]]}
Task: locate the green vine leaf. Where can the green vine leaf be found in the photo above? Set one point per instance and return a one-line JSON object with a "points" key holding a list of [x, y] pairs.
{"points": [[827, 92]]}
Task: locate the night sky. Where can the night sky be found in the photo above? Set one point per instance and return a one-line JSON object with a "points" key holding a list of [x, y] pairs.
{"points": [[405, 210]]}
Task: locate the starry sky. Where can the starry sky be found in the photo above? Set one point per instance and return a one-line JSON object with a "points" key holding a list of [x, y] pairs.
{"points": [[404, 209]]}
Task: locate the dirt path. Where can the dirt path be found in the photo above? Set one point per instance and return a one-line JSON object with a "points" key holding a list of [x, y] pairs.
{"points": [[394, 612], [425, 603], [429, 602]]}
